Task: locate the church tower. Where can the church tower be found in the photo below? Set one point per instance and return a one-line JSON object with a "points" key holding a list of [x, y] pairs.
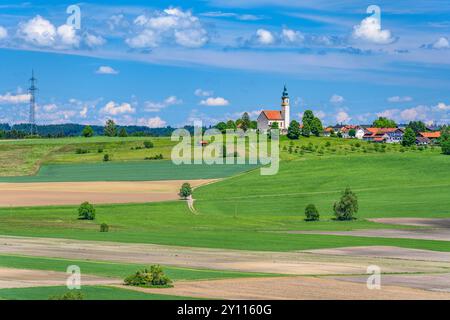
{"points": [[285, 108]]}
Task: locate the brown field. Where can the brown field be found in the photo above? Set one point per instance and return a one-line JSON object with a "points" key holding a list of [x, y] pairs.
{"points": [[67, 193]]}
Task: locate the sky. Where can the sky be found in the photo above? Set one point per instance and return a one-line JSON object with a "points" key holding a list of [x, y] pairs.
{"points": [[159, 63]]}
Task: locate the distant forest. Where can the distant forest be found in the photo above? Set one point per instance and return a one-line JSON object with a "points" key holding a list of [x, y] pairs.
{"points": [[21, 131]]}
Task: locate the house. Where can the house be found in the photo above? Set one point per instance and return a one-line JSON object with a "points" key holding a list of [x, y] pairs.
{"points": [[328, 131], [268, 117], [432, 136], [422, 141], [383, 135], [359, 132]]}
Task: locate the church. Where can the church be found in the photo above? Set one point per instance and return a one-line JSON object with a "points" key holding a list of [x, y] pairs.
{"points": [[282, 117]]}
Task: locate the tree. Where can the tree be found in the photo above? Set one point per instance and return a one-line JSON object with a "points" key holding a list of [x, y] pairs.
{"points": [[245, 122], [316, 127], [106, 157], [154, 277], [110, 129], [86, 211], [347, 206], [294, 130], [185, 190], [383, 122], [352, 133], [87, 132], [417, 126], [445, 140], [254, 124], [274, 125], [148, 144], [409, 138], [306, 130], [311, 213], [231, 125], [308, 117], [123, 133], [221, 126]]}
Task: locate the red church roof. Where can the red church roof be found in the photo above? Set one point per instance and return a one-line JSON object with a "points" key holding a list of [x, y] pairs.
{"points": [[273, 114]]}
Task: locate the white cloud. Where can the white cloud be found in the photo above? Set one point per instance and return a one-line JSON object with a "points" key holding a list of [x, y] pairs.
{"points": [[83, 112], [151, 106], [390, 113], [173, 24], [113, 108], [155, 122], [291, 36], [342, 117], [218, 101], [38, 31], [106, 70], [396, 99], [242, 17], [320, 114], [203, 93], [67, 36], [336, 98], [442, 107], [441, 43], [9, 98], [370, 30], [417, 113], [3, 33], [93, 41], [264, 37]]}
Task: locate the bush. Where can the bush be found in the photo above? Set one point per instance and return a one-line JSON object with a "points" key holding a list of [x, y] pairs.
{"points": [[86, 211], [100, 150], [154, 277], [148, 144], [70, 295], [156, 157], [185, 190], [81, 151], [106, 158], [104, 227], [311, 213], [347, 206]]}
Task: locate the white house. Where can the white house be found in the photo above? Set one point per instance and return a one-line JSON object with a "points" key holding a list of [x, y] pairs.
{"points": [[359, 132], [282, 117]]}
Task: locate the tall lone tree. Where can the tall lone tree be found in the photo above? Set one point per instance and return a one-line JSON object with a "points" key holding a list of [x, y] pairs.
{"points": [[409, 138], [316, 127], [110, 129], [245, 122], [347, 206], [123, 133], [185, 190], [87, 132]]}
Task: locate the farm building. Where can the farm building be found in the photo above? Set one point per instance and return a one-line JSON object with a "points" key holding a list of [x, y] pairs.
{"points": [[383, 135]]}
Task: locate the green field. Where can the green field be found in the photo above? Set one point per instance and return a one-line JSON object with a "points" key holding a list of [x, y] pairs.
{"points": [[116, 270], [89, 293]]}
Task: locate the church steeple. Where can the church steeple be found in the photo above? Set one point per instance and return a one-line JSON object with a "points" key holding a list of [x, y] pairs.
{"points": [[285, 108]]}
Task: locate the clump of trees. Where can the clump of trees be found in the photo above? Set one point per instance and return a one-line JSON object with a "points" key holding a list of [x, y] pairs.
{"points": [[409, 138], [383, 122], [311, 124], [185, 190], [294, 131], [86, 211], [153, 277], [70, 295], [347, 206], [311, 213], [148, 144], [417, 126]]}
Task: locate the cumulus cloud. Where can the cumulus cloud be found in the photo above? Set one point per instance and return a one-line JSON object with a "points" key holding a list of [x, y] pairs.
{"points": [[151, 106], [67, 36], [397, 99], [93, 41], [292, 36], [173, 25], [442, 107], [38, 31], [83, 112], [155, 122], [342, 117], [106, 70], [113, 108], [335, 98], [9, 98], [425, 113], [50, 107], [264, 37], [369, 30], [215, 102], [439, 44], [3, 33]]}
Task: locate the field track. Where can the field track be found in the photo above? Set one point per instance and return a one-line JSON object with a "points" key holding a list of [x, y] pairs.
{"points": [[71, 193]]}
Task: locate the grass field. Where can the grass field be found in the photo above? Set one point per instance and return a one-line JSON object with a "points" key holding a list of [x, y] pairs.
{"points": [[116, 270], [89, 293]]}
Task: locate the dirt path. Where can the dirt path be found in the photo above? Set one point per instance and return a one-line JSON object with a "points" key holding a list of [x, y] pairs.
{"points": [[299, 263], [66, 193], [18, 278], [298, 288], [418, 222]]}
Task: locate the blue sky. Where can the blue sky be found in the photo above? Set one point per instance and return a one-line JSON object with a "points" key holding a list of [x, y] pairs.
{"points": [[159, 63]]}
